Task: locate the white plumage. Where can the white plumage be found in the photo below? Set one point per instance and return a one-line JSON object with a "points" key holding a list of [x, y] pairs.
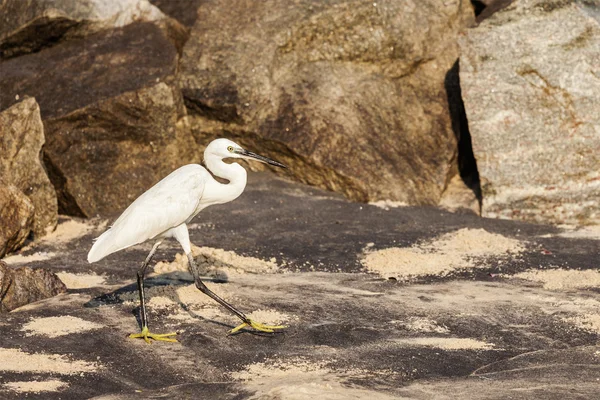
{"points": [[164, 211]]}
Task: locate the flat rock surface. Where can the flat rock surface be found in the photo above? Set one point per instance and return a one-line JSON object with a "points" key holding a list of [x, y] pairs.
{"points": [[475, 308]]}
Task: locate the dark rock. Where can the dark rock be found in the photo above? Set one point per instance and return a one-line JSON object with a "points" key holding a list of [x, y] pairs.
{"points": [[531, 110], [349, 94], [29, 26], [114, 122], [24, 285], [21, 141], [352, 334], [16, 218], [184, 11]]}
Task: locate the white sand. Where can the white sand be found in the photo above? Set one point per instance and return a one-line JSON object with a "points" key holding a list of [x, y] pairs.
{"points": [[446, 343], [80, 281], [587, 322], [208, 258], [424, 325], [387, 204], [52, 385], [269, 317], [561, 279], [58, 326], [17, 259], [68, 231], [302, 380], [459, 250], [15, 360]]}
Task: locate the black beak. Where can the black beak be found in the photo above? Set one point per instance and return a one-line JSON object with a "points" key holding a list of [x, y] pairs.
{"points": [[249, 154]]}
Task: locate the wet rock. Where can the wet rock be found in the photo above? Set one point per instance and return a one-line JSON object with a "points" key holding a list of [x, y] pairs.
{"points": [[349, 94], [114, 122], [16, 218], [21, 141], [531, 106], [29, 26], [24, 285]]}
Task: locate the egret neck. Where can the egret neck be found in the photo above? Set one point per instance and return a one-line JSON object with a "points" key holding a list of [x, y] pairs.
{"points": [[234, 173]]}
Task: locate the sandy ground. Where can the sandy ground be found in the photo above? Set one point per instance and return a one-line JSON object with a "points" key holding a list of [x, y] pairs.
{"points": [[383, 304]]}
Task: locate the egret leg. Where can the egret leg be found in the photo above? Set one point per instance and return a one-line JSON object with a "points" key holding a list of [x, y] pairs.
{"points": [[246, 322], [145, 333]]}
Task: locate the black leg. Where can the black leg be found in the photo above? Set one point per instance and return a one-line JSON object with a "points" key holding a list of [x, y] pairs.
{"points": [[202, 287], [140, 282]]}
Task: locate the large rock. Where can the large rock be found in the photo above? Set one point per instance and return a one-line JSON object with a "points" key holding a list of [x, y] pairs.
{"points": [[114, 122], [529, 77], [349, 94], [16, 218], [21, 141], [21, 286], [29, 25]]}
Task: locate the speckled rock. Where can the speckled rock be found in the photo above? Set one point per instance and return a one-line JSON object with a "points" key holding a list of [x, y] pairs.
{"points": [[21, 286], [21, 141], [529, 77], [349, 94], [16, 218]]}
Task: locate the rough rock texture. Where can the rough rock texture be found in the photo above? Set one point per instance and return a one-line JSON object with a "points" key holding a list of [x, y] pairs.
{"points": [[24, 285], [185, 11], [21, 141], [29, 25], [529, 77], [16, 217], [473, 334], [114, 122], [350, 94]]}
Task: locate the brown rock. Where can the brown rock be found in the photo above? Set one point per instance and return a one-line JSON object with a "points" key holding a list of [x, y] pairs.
{"points": [[30, 25], [349, 94], [25, 285], [21, 141], [16, 218], [113, 120]]}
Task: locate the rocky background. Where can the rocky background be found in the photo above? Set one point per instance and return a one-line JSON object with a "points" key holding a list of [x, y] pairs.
{"points": [[481, 108]]}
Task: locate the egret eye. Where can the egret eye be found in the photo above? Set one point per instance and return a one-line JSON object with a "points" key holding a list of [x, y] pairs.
{"points": [[230, 149]]}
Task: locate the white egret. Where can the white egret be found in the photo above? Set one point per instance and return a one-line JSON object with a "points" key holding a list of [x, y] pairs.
{"points": [[164, 211]]}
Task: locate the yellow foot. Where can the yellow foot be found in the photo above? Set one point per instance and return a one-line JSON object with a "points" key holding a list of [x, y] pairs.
{"points": [[258, 326], [146, 335]]}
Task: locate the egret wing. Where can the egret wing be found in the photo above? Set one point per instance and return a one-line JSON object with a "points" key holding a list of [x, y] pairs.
{"points": [[168, 204]]}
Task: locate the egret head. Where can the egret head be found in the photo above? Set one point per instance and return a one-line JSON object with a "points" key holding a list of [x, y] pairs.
{"points": [[225, 148]]}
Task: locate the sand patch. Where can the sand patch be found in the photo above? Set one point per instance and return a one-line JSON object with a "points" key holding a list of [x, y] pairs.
{"points": [[160, 302], [387, 204], [459, 250], [302, 380], [16, 259], [15, 360], [80, 281], [561, 279], [586, 232], [208, 258], [69, 230], [269, 317], [52, 385], [191, 296], [58, 326], [424, 325], [587, 322], [446, 343]]}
